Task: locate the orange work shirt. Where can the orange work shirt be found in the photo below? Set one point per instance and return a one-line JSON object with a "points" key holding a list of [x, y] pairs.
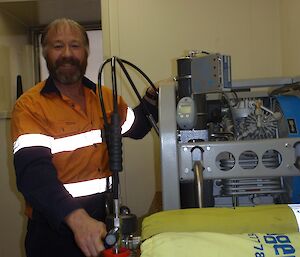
{"points": [[42, 110]]}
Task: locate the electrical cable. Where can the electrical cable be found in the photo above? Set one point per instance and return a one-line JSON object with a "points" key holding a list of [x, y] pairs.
{"points": [[100, 91]]}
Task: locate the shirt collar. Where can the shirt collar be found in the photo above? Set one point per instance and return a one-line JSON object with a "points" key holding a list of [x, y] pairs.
{"points": [[51, 88]]}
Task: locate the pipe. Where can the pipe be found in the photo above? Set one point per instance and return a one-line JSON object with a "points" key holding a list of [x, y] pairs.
{"points": [[198, 173]]}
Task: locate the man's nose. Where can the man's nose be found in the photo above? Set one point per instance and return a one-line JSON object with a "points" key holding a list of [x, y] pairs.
{"points": [[67, 51]]}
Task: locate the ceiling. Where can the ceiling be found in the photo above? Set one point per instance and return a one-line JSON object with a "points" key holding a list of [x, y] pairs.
{"points": [[40, 12]]}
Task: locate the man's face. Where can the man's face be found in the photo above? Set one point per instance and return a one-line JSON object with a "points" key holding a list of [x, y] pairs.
{"points": [[66, 56]]}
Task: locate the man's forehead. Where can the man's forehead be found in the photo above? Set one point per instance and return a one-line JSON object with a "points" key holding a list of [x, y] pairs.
{"points": [[63, 31]]}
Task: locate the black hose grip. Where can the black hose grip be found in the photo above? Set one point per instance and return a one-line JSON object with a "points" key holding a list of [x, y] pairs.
{"points": [[115, 144]]}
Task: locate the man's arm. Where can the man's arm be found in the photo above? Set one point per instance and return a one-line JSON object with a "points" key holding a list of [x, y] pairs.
{"points": [[37, 181]]}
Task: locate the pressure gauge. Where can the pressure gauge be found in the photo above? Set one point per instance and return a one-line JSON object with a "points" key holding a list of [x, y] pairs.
{"points": [[186, 113]]}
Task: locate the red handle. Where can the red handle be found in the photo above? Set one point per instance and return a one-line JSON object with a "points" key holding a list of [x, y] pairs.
{"points": [[123, 252]]}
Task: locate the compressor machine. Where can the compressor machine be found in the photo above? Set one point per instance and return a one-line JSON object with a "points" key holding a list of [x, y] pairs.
{"points": [[228, 143]]}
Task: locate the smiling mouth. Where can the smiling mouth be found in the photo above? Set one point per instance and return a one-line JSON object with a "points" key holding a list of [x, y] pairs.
{"points": [[67, 65]]}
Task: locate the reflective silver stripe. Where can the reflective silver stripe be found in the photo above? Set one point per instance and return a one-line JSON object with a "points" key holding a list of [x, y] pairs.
{"points": [[58, 145], [74, 142], [89, 187], [69, 143], [296, 209], [29, 140], [129, 121]]}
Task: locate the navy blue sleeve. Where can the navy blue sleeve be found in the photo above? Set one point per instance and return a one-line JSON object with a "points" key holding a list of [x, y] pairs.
{"points": [[142, 125], [37, 181]]}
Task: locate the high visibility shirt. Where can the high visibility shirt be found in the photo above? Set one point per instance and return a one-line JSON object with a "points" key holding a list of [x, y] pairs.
{"points": [[57, 145], [74, 138]]}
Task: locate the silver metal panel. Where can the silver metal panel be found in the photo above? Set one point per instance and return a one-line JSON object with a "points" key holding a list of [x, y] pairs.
{"points": [[210, 73], [262, 82], [211, 151], [168, 147], [187, 135]]}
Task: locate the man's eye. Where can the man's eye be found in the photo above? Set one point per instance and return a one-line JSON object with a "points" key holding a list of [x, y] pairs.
{"points": [[75, 45], [57, 46]]}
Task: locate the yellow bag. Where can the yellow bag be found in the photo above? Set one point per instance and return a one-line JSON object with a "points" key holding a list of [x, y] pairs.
{"points": [[259, 219], [207, 244]]}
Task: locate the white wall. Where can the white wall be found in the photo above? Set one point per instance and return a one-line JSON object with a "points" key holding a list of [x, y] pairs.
{"points": [[15, 59], [153, 34], [290, 37]]}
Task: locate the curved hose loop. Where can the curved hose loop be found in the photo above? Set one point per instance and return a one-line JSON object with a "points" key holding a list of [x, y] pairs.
{"points": [[142, 73], [148, 114], [121, 62]]}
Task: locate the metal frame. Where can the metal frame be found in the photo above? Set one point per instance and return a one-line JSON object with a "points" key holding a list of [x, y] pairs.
{"points": [[168, 147], [284, 146]]}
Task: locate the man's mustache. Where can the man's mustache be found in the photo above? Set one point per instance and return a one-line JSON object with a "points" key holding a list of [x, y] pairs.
{"points": [[71, 61]]}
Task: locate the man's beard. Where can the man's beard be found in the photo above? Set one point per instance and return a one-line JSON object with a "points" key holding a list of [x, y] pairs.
{"points": [[67, 76]]}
